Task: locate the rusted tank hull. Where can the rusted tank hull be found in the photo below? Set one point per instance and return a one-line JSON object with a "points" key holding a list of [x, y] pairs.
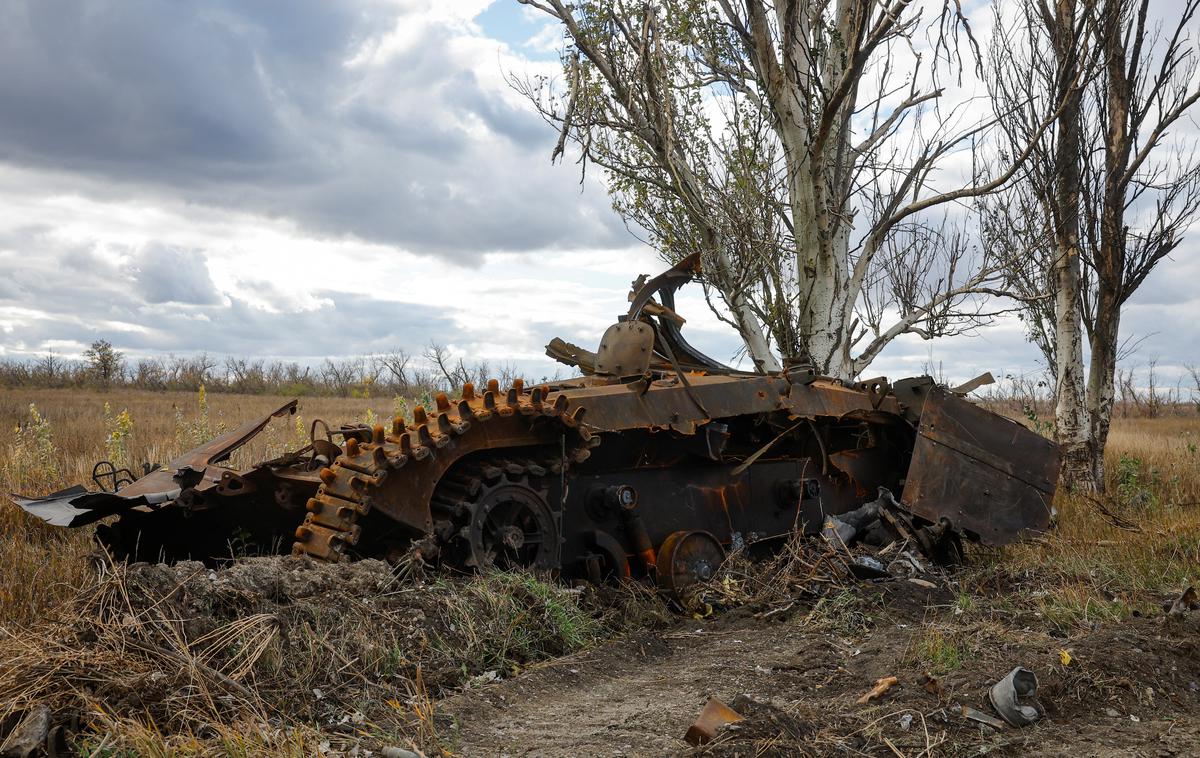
{"points": [[592, 476], [828, 451]]}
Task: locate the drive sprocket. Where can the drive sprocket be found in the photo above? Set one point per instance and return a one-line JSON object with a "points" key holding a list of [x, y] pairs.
{"points": [[496, 513], [405, 472]]}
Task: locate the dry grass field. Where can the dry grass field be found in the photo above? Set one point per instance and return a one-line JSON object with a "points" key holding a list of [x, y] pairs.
{"points": [[40, 565], [1107, 563]]}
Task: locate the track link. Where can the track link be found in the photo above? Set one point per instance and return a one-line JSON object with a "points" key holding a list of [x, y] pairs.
{"points": [[393, 459]]}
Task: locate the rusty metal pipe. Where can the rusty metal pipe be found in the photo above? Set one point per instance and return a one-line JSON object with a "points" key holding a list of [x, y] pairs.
{"points": [[636, 529]]}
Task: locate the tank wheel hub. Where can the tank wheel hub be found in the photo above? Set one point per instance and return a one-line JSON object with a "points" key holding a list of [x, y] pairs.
{"points": [[509, 524], [688, 558]]}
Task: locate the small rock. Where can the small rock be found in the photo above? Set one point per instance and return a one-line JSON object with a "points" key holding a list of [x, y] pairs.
{"points": [[1112, 713], [905, 721], [1134, 719], [398, 752], [29, 737], [481, 679]]}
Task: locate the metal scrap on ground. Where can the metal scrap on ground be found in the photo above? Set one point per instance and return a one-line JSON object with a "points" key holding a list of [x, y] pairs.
{"points": [[652, 463]]}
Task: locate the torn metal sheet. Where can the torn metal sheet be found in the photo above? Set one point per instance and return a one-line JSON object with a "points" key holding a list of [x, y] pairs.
{"points": [[988, 476], [76, 506]]}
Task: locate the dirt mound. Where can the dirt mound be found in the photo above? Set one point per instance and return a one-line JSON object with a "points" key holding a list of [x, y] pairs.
{"points": [[299, 655]]}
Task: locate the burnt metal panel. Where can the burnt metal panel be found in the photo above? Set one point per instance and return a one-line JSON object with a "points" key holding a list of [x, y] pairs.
{"points": [[987, 474], [667, 403], [625, 349]]}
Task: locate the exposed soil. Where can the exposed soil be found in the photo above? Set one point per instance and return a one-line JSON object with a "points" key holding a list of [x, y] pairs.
{"points": [[334, 648], [1131, 688]]}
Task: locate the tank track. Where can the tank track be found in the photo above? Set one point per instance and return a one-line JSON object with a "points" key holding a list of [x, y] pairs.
{"points": [[389, 459]]}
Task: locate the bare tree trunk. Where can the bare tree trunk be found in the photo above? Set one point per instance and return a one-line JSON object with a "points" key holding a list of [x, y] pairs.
{"points": [[1110, 258], [1101, 390], [1069, 414]]}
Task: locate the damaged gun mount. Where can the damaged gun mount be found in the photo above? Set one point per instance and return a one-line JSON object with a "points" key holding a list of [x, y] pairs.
{"points": [[650, 463]]}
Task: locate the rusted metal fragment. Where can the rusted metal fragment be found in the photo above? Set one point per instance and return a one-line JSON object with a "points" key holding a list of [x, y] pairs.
{"points": [[714, 716], [667, 403], [990, 477], [882, 685], [571, 354], [967, 388]]}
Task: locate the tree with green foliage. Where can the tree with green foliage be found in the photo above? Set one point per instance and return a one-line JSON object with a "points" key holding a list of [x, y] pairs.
{"points": [[106, 362]]}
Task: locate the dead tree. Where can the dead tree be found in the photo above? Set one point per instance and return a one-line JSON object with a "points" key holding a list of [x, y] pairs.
{"points": [[1104, 197], [1044, 55], [454, 373], [792, 145]]}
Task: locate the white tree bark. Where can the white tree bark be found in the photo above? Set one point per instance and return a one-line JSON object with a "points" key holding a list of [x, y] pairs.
{"points": [[795, 283]]}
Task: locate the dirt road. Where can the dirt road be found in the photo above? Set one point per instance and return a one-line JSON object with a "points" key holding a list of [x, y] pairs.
{"points": [[1129, 688]]}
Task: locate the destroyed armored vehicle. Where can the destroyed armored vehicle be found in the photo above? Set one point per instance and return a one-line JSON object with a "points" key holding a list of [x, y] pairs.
{"points": [[652, 463]]}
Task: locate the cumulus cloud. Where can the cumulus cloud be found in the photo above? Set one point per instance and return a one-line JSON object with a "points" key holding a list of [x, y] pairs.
{"points": [[159, 300], [163, 274], [386, 121]]}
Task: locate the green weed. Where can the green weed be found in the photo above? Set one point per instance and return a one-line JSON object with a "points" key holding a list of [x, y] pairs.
{"points": [[939, 651], [119, 429], [32, 455], [190, 433]]}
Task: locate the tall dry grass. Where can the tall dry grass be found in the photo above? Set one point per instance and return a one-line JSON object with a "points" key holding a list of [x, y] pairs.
{"points": [[1121, 553], [40, 566]]}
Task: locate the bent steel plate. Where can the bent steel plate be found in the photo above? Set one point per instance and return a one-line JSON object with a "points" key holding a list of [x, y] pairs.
{"points": [[77, 507], [991, 477]]}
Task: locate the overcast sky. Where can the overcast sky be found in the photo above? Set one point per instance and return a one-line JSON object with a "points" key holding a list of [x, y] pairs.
{"points": [[322, 178]]}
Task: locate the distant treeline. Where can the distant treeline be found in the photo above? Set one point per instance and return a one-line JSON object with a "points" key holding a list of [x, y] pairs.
{"points": [[393, 373], [1139, 393], [399, 373]]}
